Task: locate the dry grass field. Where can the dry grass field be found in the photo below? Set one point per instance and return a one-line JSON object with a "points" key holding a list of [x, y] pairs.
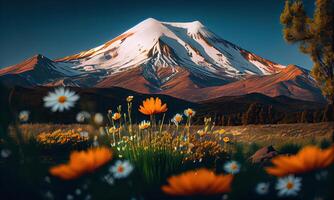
{"points": [[273, 134]]}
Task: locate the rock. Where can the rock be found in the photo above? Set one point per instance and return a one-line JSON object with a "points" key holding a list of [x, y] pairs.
{"points": [[263, 155]]}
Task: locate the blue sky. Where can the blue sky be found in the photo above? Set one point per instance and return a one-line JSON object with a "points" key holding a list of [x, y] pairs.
{"points": [[56, 28]]}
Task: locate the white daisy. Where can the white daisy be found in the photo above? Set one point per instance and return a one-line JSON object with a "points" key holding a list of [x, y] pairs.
{"points": [[262, 188], [98, 118], [189, 112], [77, 191], [24, 116], [61, 99], [108, 179], [5, 153], [84, 134], [82, 116], [177, 119], [69, 197], [121, 169], [232, 167], [288, 186]]}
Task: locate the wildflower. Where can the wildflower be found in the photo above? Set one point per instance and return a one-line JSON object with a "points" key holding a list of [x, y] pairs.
{"points": [[83, 116], [129, 99], [189, 112], [201, 132], [108, 179], [177, 119], [226, 139], [232, 167], [152, 106], [121, 169], [221, 131], [82, 162], [144, 125], [113, 130], [288, 186], [322, 175], [69, 197], [207, 120], [61, 99], [198, 182], [308, 159], [88, 197], [98, 118], [49, 195], [5, 153], [47, 179], [262, 188], [116, 116], [84, 134], [77, 191], [24, 116]]}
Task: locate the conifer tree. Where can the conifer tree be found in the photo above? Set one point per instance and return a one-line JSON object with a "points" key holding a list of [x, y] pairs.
{"points": [[315, 37]]}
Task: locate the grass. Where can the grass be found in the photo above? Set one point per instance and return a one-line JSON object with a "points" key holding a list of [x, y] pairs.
{"points": [[157, 151]]}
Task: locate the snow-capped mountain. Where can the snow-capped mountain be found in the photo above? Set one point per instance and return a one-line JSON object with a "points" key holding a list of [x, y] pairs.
{"points": [[154, 45], [159, 57]]}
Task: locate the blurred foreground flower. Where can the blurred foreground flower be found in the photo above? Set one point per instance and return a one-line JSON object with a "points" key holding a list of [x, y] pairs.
{"points": [[288, 186], [82, 162], [24, 116], [262, 188], [121, 169], [152, 106], [61, 99], [83, 116], [232, 167], [98, 118], [198, 182], [308, 159]]}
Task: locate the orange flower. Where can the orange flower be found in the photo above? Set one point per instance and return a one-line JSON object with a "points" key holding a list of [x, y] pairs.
{"points": [[116, 116], [307, 159], [226, 139], [82, 162], [198, 182], [152, 106]]}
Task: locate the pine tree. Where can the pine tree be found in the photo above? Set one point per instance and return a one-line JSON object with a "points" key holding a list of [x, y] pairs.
{"points": [[315, 36]]}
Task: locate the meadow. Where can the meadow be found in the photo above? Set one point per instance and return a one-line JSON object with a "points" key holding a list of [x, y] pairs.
{"points": [[107, 156]]}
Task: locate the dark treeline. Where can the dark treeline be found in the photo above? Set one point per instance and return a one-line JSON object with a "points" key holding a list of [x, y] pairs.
{"points": [[267, 114]]}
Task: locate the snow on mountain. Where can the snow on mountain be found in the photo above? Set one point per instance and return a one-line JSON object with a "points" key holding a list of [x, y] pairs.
{"points": [[184, 60], [153, 44]]}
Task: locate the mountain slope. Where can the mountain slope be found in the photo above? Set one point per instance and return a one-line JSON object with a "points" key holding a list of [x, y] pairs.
{"points": [[184, 60], [37, 70], [293, 82]]}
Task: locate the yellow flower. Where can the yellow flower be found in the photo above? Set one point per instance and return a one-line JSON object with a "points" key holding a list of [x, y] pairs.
{"points": [[82, 162], [144, 125], [129, 99], [307, 159], [201, 132], [198, 182], [116, 116], [226, 139], [152, 106], [114, 130], [177, 119], [189, 112], [221, 131]]}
